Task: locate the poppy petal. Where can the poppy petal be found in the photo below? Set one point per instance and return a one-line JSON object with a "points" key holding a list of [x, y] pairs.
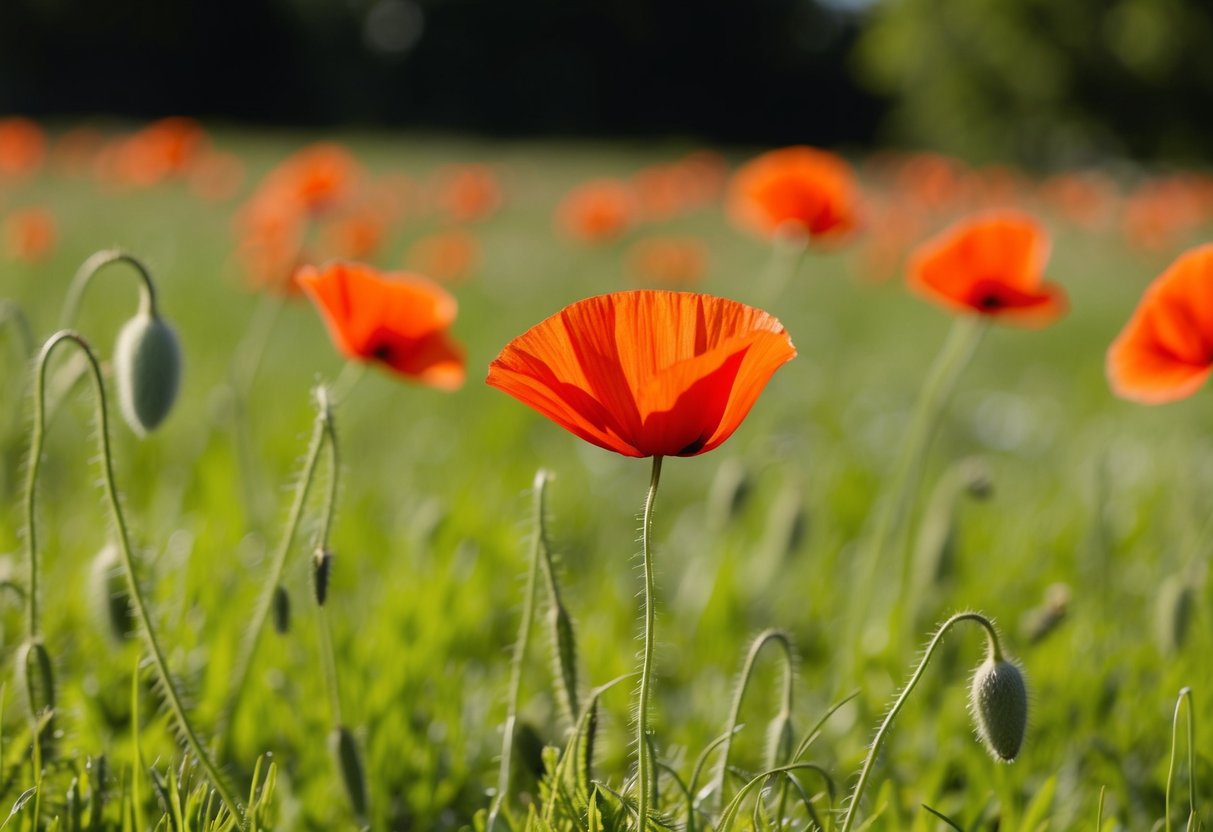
{"points": [[1165, 352]]}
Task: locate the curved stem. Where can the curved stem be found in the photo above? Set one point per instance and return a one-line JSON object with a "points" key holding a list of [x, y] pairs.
{"points": [[1185, 693], [142, 613], [995, 647], [644, 762], [747, 670], [328, 657], [89, 269], [520, 649], [265, 603], [890, 517]]}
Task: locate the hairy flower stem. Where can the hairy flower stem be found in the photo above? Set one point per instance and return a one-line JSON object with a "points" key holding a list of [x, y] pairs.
{"points": [[261, 612], [90, 269], [645, 773], [888, 528], [538, 546], [764, 638], [995, 652], [142, 613]]}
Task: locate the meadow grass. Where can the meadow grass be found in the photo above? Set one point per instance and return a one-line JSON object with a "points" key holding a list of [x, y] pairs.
{"points": [[430, 538]]}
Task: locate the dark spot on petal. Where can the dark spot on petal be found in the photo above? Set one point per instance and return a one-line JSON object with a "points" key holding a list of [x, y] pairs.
{"points": [[382, 352], [990, 301], [693, 448]]}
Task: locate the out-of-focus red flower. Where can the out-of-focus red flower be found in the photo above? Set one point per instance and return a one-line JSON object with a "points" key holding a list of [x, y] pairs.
{"points": [[932, 181], [1165, 351], [1160, 210], [162, 150], [355, 235], [22, 146], [675, 262], [990, 265], [801, 189], [596, 211], [466, 193], [1086, 199], [29, 234], [646, 373], [397, 320], [216, 176], [313, 179], [447, 255]]}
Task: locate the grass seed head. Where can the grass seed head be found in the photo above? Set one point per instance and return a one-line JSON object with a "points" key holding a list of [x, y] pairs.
{"points": [[147, 369], [348, 760], [998, 701], [322, 564], [282, 610]]}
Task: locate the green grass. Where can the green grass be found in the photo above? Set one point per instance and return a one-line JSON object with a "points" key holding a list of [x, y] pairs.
{"points": [[432, 526]]}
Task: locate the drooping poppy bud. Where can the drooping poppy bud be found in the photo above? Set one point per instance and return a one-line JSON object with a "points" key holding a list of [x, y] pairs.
{"points": [[998, 701], [108, 594], [147, 369]]}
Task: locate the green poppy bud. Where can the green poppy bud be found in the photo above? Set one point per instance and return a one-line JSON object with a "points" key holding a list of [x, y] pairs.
{"points": [[108, 593], [998, 701], [35, 678], [147, 369]]}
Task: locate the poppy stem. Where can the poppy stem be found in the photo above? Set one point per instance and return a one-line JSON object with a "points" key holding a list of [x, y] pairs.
{"points": [[90, 268], [538, 545], [165, 683], [261, 612], [888, 529], [788, 250], [644, 762], [995, 650]]}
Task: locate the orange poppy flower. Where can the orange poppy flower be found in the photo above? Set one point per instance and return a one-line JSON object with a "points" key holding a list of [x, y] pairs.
{"points": [[808, 190], [468, 192], [29, 234], [22, 146], [989, 265], [597, 211], [673, 261], [398, 320], [447, 255], [646, 373], [314, 178], [1165, 352]]}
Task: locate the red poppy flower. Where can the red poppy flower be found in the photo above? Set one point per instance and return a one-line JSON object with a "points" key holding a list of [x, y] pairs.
{"points": [[809, 190], [22, 146], [989, 265], [646, 373], [29, 234], [672, 261], [1165, 352], [399, 320], [596, 211]]}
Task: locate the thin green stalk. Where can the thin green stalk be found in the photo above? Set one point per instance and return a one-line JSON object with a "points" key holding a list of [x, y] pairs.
{"points": [[12, 314], [90, 268], [328, 656], [520, 648], [644, 763], [1184, 694], [142, 613], [265, 603], [766, 637], [894, 505], [874, 750]]}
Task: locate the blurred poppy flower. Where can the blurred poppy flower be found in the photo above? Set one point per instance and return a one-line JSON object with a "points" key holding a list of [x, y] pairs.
{"points": [[806, 190], [596, 211], [1165, 352], [216, 176], [29, 234], [314, 178], [398, 320], [22, 146], [447, 255], [989, 265], [355, 235], [646, 373], [468, 192], [674, 261]]}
